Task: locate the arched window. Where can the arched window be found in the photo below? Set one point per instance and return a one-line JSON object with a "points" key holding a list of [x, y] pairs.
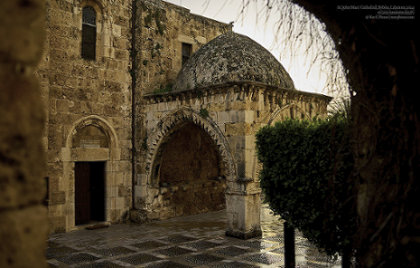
{"points": [[89, 33]]}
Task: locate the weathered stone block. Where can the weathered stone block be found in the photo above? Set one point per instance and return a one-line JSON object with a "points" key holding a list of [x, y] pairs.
{"points": [[23, 234], [138, 216], [115, 215], [123, 191], [21, 126], [23, 38], [238, 129], [57, 224], [57, 198], [243, 211]]}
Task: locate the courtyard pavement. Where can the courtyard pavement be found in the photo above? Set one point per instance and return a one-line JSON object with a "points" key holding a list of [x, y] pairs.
{"points": [[191, 241]]}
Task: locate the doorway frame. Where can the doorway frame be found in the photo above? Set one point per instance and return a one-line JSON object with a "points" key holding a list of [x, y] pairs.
{"points": [[111, 157]]}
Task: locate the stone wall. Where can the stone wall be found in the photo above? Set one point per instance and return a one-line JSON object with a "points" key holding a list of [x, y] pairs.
{"points": [[161, 28], [81, 93], [23, 224], [188, 177], [188, 155]]}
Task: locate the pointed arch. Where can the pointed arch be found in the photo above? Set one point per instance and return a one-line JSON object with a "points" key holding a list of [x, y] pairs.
{"points": [[175, 121], [96, 121], [276, 115]]}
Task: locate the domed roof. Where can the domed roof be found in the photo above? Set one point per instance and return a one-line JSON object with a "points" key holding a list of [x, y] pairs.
{"points": [[232, 57]]}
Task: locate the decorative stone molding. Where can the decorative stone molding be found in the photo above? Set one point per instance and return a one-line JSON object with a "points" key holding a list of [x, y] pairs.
{"points": [[272, 95], [172, 123], [100, 6], [93, 120]]}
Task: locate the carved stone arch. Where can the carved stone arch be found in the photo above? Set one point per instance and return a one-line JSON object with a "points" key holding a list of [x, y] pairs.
{"points": [[173, 122], [93, 120], [100, 6], [277, 113]]}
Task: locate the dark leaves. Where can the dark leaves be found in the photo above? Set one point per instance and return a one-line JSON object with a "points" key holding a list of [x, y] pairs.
{"points": [[306, 178]]}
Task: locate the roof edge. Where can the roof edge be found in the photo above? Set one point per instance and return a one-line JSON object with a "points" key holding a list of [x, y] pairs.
{"points": [[239, 83]]}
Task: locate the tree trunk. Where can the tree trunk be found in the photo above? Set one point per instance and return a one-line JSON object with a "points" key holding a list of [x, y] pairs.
{"points": [[346, 258]]}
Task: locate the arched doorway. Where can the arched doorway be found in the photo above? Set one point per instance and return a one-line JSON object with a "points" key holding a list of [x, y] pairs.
{"points": [[90, 167], [189, 173], [89, 176]]}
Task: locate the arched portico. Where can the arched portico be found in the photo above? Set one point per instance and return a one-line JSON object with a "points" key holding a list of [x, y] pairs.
{"points": [[188, 171], [229, 99], [212, 166], [172, 122]]}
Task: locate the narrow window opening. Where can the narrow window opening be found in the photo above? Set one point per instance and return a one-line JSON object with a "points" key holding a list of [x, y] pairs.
{"points": [[47, 194], [186, 52], [89, 33]]}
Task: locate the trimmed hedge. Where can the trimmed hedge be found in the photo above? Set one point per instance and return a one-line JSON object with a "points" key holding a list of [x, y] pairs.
{"points": [[306, 179]]}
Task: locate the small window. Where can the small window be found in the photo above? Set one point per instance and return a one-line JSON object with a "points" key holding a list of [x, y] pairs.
{"points": [[89, 33], [186, 52]]}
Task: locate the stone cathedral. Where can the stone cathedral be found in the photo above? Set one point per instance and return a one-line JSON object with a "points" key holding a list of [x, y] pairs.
{"points": [[152, 113]]}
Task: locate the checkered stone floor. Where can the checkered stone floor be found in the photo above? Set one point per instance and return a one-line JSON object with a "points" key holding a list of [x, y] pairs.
{"points": [[192, 241]]}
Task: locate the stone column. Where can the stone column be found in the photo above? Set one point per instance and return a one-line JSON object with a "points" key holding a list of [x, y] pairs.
{"points": [[23, 219], [243, 207], [243, 195]]}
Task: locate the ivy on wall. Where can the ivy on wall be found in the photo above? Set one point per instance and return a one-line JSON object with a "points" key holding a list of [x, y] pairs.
{"points": [[158, 17], [306, 179]]}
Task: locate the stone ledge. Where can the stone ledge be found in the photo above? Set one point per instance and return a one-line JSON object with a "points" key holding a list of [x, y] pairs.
{"points": [[250, 87], [89, 154]]}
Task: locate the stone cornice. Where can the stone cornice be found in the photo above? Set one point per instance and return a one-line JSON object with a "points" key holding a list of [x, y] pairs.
{"points": [[250, 87]]}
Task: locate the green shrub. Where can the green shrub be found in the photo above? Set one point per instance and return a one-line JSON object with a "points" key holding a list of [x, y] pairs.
{"points": [[306, 179]]}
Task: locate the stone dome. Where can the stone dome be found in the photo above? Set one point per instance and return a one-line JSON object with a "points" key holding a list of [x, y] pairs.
{"points": [[231, 58]]}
